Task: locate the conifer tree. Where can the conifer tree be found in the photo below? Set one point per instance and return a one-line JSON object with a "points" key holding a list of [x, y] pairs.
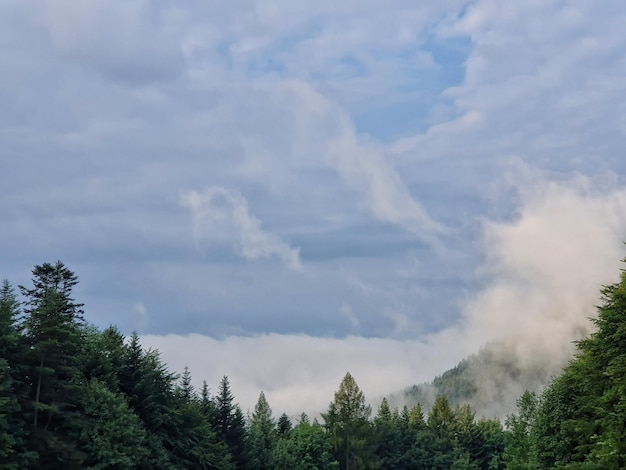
{"points": [[347, 420], [261, 435], [230, 424], [53, 339], [11, 429], [283, 426]]}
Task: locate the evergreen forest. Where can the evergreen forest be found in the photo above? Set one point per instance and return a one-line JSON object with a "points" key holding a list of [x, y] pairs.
{"points": [[73, 396]]}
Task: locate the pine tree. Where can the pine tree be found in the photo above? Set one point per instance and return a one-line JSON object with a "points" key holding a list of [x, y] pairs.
{"points": [[53, 339], [186, 388], [283, 426], [11, 430], [230, 424]]}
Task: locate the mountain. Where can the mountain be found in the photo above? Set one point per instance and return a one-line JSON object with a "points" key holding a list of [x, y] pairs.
{"points": [[490, 381]]}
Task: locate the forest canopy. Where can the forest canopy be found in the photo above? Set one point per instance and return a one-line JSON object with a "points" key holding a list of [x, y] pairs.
{"points": [[74, 396]]}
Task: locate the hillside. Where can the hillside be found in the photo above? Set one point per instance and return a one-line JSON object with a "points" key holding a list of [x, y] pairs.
{"points": [[490, 381]]}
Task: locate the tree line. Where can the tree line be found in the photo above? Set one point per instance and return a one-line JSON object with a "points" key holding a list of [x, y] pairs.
{"points": [[73, 396]]}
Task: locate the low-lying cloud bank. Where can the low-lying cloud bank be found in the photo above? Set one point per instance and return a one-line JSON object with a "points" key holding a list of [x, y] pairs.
{"points": [[542, 274]]}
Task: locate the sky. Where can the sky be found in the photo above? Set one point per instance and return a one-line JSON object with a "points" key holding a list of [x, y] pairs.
{"points": [[285, 191]]}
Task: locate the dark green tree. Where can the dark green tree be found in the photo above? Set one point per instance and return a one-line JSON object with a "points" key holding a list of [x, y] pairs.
{"points": [[389, 430], [101, 356], [283, 426], [53, 339], [230, 424], [109, 434], [493, 443], [12, 432], [186, 389]]}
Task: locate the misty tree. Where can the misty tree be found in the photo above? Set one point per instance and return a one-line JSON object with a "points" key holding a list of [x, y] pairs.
{"points": [[347, 421], [520, 450], [261, 435]]}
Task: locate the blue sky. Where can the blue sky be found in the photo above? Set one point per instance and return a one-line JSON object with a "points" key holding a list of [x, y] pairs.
{"points": [[391, 185]]}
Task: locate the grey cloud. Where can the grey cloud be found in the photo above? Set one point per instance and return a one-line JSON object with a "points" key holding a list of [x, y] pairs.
{"points": [[123, 40]]}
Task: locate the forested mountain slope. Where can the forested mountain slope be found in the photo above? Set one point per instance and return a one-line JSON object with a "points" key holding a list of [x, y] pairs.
{"points": [[490, 381]]}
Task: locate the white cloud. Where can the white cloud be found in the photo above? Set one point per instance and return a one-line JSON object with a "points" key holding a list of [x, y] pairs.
{"points": [[222, 213], [542, 81]]}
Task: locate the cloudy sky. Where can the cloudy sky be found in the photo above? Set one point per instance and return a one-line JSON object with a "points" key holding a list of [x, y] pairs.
{"points": [[283, 191]]}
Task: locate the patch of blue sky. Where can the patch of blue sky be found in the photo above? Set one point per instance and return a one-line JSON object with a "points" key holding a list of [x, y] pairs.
{"points": [[407, 108]]}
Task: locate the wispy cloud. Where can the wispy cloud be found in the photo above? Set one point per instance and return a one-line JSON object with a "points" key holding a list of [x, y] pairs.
{"points": [[362, 165], [223, 213]]}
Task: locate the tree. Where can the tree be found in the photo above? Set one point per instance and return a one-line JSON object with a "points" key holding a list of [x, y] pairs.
{"points": [[467, 434], [308, 447], [230, 424], [388, 428], [347, 420], [9, 318], [520, 450], [186, 390], [53, 339], [493, 443], [110, 435], [207, 405], [283, 426], [102, 356], [580, 419], [261, 435], [12, 433]]}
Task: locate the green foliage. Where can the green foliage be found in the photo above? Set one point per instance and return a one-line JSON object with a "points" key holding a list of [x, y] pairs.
{"points": [[520, 450], [308, 447], [108, 433], [493, 444]]}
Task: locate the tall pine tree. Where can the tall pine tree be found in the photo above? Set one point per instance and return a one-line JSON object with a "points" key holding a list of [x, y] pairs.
{"points": [[53, 340]]}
